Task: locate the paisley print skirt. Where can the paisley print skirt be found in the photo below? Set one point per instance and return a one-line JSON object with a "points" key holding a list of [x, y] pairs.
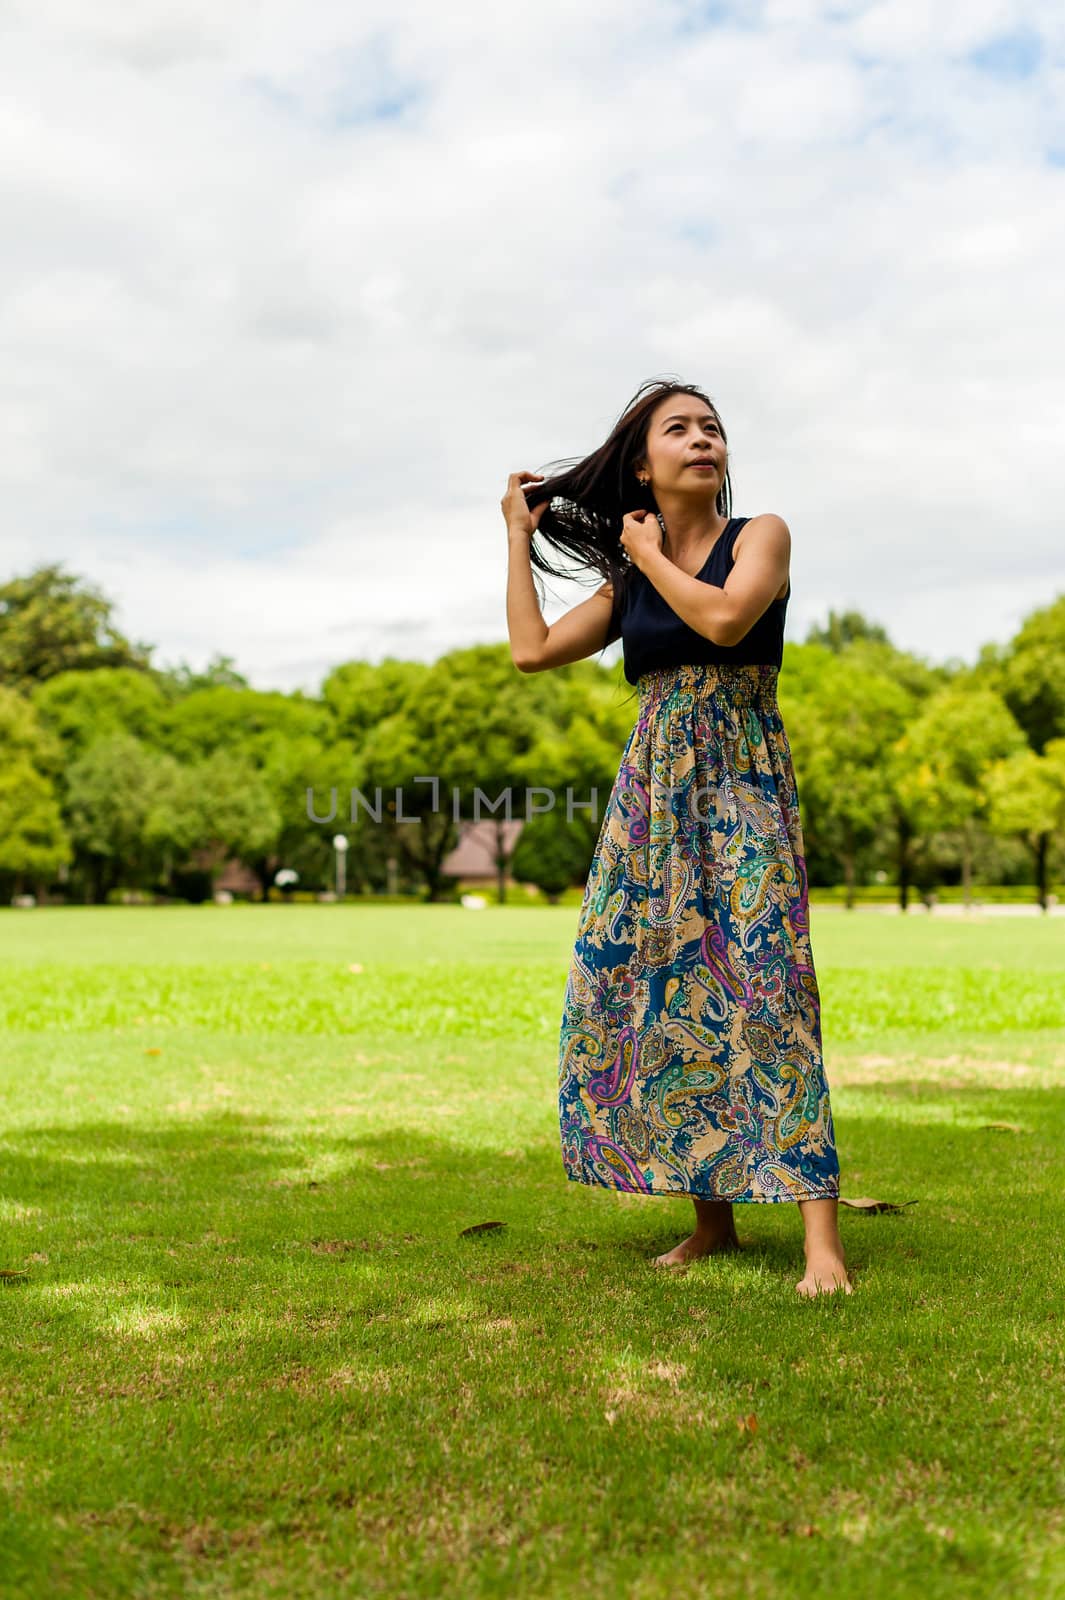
{"points": [[690, 1054]]}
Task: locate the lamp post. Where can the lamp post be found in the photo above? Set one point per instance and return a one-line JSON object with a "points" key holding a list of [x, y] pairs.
{"points": [[340, 846]]}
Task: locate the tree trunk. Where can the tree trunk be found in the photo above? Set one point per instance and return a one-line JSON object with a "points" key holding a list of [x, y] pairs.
{"points": [[848, 876], [97, 886], [501, 864], [1042, 862], [264, 869], [436, 833], [902, 858]]}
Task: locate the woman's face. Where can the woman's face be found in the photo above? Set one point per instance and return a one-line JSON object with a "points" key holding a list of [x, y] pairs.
{"points": [[686, 450]]}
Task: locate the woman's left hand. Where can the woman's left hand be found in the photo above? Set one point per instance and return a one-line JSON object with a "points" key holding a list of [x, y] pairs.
{"points": [[641, 535]]}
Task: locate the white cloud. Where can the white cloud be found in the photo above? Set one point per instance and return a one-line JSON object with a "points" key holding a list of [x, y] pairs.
{"points": [[269, 358]]}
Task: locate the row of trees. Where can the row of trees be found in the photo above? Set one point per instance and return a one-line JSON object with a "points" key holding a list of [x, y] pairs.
{"points": [[117, 773]]}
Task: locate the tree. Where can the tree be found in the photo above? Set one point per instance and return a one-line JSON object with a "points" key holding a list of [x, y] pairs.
{"points": [[173, 823], [918, 679], [841, 724], [81, 707], [109, 791], [360, 695], [290, 767], [363, 699], [468, 722], [238, 815], [1026, 795], [582, 726], [454, 730], [553, 853], [252, 721], [52, 621], [23, 736], [289, 741], [510, 733], [1033, 675], [948, 753], [843, 628], [33, 841], [219, 673]]}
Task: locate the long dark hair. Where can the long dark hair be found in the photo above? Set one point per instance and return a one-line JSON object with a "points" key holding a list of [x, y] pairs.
{"points": [[591, 496]]}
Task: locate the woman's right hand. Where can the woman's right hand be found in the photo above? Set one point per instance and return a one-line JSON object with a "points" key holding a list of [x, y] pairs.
{"points": [[519, 519], [641, 535]]}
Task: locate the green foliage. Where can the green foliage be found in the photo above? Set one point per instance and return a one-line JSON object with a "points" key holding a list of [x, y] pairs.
{"points": [[1026, 792], [361, 696], [81, 707], [583, 722], [1033, 675], [841, 726], [23, 735], [552, 852], [33, 841], [238, 812], [843, 628], [53, 621], [220, 672], [254, 721], [948, 752], [132, 809], [110, 790], [917, 768]]}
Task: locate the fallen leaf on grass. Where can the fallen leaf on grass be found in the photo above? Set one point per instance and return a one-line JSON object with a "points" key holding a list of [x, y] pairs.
{"points": [[1010, 1127], [870, 1207], [747, 1424], [480, 1227], [9, 1274], [153, 1050]]}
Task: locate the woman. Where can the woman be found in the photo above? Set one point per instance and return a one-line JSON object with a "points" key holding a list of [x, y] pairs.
{"points": [[690, 1054]]}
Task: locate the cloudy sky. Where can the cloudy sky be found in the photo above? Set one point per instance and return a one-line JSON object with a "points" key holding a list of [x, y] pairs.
{"points": [[288, 290]]}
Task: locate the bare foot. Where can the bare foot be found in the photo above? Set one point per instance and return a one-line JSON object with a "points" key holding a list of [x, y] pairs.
{"points": [[698, 1244], [826, 1271]]}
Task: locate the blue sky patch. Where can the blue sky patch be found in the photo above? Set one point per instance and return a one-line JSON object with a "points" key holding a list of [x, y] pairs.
{"points": [[699, 233], [698, 16], [1009, 55]]}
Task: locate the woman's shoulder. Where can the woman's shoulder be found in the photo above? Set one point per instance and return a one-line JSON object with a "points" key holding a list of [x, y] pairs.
{"points": [[765, 524]]}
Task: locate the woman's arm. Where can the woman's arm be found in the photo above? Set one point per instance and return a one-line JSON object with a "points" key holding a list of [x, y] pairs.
{"points": [[534, 646], [726, 614]]}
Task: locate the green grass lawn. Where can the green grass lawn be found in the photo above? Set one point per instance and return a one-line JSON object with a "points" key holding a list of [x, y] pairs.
{"points": [[254, 1354]]}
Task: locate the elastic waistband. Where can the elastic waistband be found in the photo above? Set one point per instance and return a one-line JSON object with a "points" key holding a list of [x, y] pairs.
{"points": [[738, 683]]}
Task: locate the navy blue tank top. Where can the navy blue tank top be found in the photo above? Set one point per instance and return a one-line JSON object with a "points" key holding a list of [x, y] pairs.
{"points": [[653, 636]]}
